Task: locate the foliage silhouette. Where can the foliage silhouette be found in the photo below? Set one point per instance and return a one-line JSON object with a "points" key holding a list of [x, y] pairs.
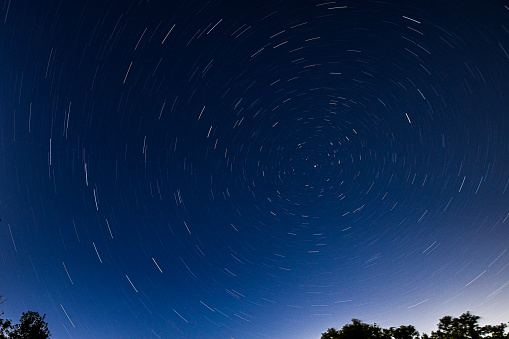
{"points": [[5, 324], [31, 326], [465, 326]]}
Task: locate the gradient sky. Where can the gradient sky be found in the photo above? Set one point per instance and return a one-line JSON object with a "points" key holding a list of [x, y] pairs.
{"points": [[253, 169]]}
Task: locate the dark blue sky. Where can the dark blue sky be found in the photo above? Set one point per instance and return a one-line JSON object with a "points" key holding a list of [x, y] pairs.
{"points": [[253, 169]]}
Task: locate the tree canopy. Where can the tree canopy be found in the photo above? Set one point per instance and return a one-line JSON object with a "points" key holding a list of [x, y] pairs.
{"points": [[31, 326], [465, 326]]}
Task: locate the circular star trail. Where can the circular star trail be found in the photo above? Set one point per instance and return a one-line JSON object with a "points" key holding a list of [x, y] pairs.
{"points": [[255, 169]]}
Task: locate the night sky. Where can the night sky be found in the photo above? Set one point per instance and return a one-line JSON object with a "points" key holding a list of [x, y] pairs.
{"points": [[253, 169]]}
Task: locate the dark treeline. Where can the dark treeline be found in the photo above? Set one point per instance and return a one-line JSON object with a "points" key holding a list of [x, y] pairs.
{"points": [[464, 327], [31, 326]]}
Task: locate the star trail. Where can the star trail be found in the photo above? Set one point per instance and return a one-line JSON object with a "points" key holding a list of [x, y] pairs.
{"points": [[253, 169]]}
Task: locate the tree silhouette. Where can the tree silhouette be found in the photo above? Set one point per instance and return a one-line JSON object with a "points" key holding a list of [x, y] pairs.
{"points": [[31, 326], [5, 324], [495, 332], [465, 326], [356, 330], [331, 333], [403, 332]]}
